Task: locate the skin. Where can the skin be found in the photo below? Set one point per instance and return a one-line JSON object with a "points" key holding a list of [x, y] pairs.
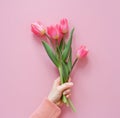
{"points": [[58, 90]]}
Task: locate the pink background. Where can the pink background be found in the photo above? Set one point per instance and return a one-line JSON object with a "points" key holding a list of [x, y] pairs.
{"points": [[26, 73]]}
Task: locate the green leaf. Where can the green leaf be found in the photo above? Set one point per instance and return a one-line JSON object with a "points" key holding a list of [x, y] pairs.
{"points": [[62, 45], [58, 52], [67, 47], [70, 56], [50, 53], [69, 65]]}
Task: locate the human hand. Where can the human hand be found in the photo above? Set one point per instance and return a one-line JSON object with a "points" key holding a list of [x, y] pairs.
{"points": [[59, 90]]}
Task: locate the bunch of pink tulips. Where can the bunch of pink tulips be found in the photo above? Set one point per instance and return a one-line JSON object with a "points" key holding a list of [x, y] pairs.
{"points": [[59, 49]]}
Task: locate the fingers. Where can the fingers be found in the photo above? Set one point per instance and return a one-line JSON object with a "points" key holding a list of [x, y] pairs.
{"points": [[68, 95], [66, 92], [65, 86]]}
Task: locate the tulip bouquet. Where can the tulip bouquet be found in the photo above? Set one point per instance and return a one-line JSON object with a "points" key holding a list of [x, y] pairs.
{"points": [[59, 49]]}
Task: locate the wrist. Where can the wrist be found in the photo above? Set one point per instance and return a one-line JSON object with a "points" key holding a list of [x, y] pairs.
{"points": [[51, 99]]}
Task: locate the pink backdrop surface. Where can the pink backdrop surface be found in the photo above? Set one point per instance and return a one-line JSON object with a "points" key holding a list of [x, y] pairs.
{"points": [[26, 73]]}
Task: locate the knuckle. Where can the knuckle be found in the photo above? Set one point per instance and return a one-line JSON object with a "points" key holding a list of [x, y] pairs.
{"points": [[66, 84]]}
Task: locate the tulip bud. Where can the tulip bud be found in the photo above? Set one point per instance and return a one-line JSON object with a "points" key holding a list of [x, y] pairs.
{"points": [[38, 29], [64, 25], [54, 32], [82, 51]]}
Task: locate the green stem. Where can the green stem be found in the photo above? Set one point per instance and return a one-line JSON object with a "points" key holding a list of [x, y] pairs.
{"points": [[71, 105], [60, 71], [74, 63], [62, 81], [65, 100]]}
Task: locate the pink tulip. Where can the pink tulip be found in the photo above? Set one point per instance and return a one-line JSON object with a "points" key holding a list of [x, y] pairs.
{"points": [[82, 51], [38, 29], [54, 32], [64, 25]]}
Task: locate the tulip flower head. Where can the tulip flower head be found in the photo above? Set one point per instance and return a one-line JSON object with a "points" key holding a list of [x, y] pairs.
{"points": [[64, 25], [54, 32], [82, 51], [38, 29]]}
